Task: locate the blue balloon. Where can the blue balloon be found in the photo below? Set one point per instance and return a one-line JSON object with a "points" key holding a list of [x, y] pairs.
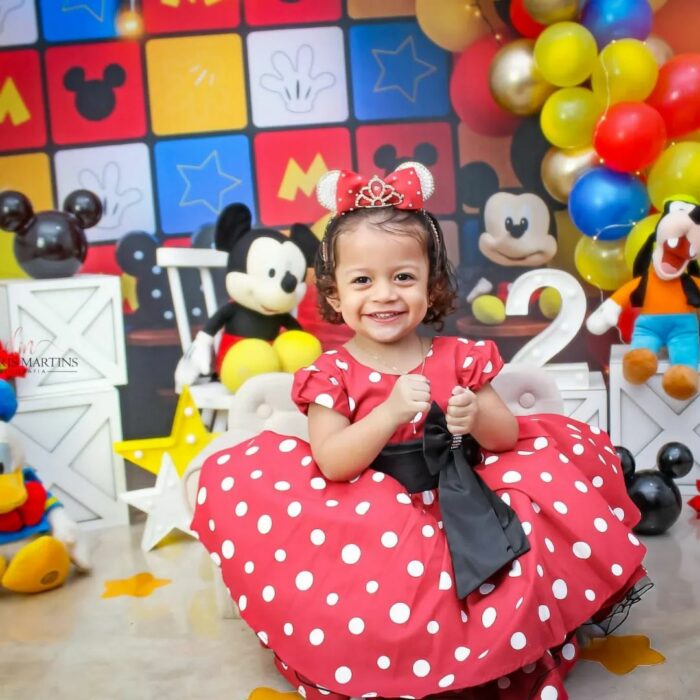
{"points": [[617, 19], [605, 204], [8, 401]]}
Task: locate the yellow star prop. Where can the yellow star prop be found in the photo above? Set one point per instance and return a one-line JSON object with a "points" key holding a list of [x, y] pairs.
{"points": [[270, 694], [188, 437], [622, 655], [139, 585]]}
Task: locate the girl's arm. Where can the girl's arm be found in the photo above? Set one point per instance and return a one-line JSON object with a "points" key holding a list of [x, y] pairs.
{"points": [[495, 428]]}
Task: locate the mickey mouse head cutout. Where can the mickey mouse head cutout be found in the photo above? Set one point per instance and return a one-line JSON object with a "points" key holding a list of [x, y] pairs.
{"points": [[95, 99], [50, 243]]}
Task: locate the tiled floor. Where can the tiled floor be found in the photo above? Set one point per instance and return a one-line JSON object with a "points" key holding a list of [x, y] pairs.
{"points": [[72, 644]]}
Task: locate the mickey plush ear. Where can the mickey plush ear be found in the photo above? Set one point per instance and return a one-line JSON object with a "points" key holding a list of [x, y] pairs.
{"points": [[327, 188], [307, 241], [427, 184], [233, 222]]}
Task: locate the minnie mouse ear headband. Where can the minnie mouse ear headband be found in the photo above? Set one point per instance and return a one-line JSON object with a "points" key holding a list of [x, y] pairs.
{"points": [[407, 187]]}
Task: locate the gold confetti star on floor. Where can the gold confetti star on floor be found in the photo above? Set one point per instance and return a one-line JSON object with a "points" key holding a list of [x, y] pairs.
{"points": [[623, 654], [139, 585]]}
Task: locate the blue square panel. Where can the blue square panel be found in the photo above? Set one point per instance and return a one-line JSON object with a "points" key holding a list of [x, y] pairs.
{"points": [[67, 20], [397, 72], [197, 178]]}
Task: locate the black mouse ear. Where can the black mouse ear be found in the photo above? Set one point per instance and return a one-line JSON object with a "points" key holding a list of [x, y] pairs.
{"points": [[233, 222], [114, 75], [85, 206], [385, 157], [307, 241], [425, 153], [74, 79], [135, 252], [476, 182], [15, 211]]}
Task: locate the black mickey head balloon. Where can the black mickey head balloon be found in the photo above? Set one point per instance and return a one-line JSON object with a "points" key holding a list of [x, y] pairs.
{"points": [[50, 243]]}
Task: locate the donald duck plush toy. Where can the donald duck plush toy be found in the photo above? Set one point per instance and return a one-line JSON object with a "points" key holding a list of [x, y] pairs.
{"points": [[38, 540]]}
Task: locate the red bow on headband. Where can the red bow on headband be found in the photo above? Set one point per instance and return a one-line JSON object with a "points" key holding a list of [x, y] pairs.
{"points": [[400, 189]]}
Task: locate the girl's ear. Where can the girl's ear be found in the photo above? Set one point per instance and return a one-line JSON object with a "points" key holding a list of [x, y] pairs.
{"points": [[334, 302]]}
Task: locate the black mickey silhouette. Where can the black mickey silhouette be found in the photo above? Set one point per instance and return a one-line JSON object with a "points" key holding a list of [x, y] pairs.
{"points": [[95, 99], [386, 156]]}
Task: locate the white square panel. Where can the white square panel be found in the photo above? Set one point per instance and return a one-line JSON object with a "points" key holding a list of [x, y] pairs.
{"points": [[297, 76], [17, 22]]}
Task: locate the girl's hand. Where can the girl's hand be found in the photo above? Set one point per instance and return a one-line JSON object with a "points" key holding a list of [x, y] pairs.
{"points": [[462, 410], [410, 396]]}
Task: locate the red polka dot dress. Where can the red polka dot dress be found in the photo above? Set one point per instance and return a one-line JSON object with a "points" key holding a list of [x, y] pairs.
{"points": [[351, 583]]}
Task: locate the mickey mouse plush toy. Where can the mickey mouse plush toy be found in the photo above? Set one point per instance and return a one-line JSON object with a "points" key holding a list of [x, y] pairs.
{"points": [[265, 280]]}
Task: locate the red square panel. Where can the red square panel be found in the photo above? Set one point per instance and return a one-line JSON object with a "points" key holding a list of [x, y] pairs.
{"points": [[381, 148], [95, 92], [22, 121], [266, 12], [289, 164], [162, 16]]}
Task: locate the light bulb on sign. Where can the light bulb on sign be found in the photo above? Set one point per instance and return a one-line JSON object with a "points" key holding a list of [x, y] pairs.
{"points": [[129, 21]]}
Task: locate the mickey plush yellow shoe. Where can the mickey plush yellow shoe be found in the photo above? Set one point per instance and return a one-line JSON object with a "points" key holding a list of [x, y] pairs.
{"points": [[3, 566], [489, 310], [39, 566]]}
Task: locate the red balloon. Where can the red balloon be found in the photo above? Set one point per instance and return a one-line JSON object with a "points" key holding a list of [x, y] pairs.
{"points": [[470, 93], [677, 94], [630, 136], [522, 21]]}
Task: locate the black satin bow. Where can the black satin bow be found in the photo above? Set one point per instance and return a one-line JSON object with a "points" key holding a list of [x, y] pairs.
{"points": [[483, 533]]}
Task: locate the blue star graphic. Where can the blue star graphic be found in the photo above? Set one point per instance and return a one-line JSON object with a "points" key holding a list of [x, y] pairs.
{"points": [[207, 183], [95, 7], [401, 70]]}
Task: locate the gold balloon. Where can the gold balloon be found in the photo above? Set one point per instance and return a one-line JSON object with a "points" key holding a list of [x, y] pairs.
{"points": [[661, 51], [602, 263], [550, 11], [561, 168], [637, 237], [675, 171], [516, 83], [451, 24]]}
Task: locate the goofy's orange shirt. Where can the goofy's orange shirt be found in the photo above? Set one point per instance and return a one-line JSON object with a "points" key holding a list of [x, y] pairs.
{"points": [[662, 296]]}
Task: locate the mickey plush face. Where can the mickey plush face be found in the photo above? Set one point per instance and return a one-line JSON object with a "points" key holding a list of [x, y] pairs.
{"points": [[677, 239], [517, 230]]}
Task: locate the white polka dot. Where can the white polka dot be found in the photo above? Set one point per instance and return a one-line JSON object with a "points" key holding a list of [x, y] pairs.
{"points": [[324, 400], [294, 509], [222, 459], [212, 525], [619, 514], [488, 367], [563, 458], [462, 653], [421, 668], [249, 567], [280, 555], [242, 603], [433, 627], [263, 637], [536, 507], [202, 495], [503, 682], [515, 569], [491, 459], [389, 539], [288, 629], [559, 589], [215, 558], [332, 599], [616, 569], [600, 524], [597, 481], [268, 594], [282, 486], [351, 554], [403, 498], [505, 497], [375, 377], [372, 586], [317, 537], [446, 681], [463, 616], [318, 483], [415, 568], [304, 580], [540, 570], [488, 617], [445, 581], [264, 524], [428, 530], [351, 403], [546, 476], [578, 449], [305, 461], [540, 443], [582, 550], [362, 507], [251, 450], [227, 549], [568, 651], [467, 362], [632, 539], [581, 486], [378, 477], [518, 641], [483, 654], [316, 636], [227, 483], [399, 613], [521, 600], [590, 595], [527, 527], [256, 474], [543, 612], [356, 625], [561, 507], [486, 588], [241, 509], [549, 544], [529, 668], [287, 445], [549, 692], [331, 503], [383, 662], [511, 477]]}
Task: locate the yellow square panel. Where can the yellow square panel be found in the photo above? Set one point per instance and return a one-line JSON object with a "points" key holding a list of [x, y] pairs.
{"points": [[360, 9], [196, 84]]}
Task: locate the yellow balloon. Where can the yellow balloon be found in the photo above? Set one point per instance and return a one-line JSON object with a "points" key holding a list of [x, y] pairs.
{"points": [[296, 349], [515, 82], [245, 359], [637, 237], [676, 170], [659, 48], [602, 263], [565, 53], [560, 169], [451, 24], [550, 11], [626, 71], [569, 117]]}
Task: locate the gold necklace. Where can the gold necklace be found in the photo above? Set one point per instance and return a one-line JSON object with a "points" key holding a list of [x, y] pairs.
{"points": [[396, 370]]}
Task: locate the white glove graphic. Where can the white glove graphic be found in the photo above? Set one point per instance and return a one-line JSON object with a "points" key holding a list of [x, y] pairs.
{"points": [[7, 6], [115, 201], [604, 317], [294, 82], [196, 361]]}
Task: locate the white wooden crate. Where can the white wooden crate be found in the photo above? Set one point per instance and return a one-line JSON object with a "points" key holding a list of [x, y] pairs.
{"points": [[643, 417], [588, 404], [68, 331], [68, 439]]}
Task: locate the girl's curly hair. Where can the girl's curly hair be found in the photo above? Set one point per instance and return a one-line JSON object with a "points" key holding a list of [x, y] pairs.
{"points": [[442, 287]]}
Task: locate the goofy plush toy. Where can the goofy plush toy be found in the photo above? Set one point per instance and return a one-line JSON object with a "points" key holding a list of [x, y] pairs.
{"points": [[665, 288]]}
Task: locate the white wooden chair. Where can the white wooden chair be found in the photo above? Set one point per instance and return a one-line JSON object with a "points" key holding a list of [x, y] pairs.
{"points": [[212, 398]]}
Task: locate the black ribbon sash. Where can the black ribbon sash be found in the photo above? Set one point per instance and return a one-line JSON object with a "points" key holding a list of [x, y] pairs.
{"points": [[483, 533]]}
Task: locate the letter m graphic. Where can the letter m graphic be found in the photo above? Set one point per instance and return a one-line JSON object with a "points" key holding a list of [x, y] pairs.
{"points": [[295, 179]]}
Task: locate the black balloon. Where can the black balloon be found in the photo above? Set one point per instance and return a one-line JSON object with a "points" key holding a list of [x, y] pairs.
{"points": [[675, 460], [658, 499], [626, 461]]}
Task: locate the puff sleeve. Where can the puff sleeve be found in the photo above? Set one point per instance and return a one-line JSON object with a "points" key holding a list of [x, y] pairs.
{"points": [[478, 362], [321, 383]]}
